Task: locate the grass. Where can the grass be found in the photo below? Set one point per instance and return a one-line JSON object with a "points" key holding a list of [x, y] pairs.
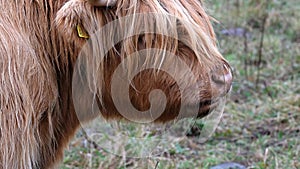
{"points": [[260, 126]]}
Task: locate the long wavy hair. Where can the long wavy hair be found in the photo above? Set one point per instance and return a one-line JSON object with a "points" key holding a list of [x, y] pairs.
{"points": [[39, 46]]}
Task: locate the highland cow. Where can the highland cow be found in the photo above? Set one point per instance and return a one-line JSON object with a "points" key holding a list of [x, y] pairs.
{"points": [[39, 45]]}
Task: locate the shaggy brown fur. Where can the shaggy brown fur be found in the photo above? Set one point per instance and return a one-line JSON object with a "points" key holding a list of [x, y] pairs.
{"points": [[39, 46]]}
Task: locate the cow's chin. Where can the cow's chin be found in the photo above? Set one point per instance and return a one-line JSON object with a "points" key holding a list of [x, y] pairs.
{"points": [[170, 113], [201, 109], [207, 107]]}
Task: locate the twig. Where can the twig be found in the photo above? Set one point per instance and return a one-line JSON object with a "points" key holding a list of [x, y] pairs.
{"points": [[261, 48], [246, 54], [156, 164]]}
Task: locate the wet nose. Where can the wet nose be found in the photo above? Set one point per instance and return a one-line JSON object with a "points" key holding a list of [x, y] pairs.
{"points": [[222, 79]]}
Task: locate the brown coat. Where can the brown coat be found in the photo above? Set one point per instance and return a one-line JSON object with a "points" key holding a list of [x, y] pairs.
{"points": [[39, 46]]}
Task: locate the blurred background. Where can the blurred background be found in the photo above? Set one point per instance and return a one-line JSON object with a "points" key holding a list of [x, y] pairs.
{"points": [[260, 128]]}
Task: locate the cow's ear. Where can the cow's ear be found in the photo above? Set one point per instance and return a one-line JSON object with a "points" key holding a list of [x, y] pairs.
{"points": [[73, 20], [102, 3]]}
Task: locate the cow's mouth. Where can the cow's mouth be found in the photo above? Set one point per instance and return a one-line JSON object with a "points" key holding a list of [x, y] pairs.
{"points": [[207, 106], [201, 109]]}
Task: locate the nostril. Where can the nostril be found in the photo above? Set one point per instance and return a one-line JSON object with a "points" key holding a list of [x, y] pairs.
{"points": [[218, 79], [102, 3], [223, 77]]}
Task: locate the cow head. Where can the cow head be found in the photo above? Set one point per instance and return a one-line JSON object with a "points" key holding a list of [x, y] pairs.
{"points": [[148, 61]]}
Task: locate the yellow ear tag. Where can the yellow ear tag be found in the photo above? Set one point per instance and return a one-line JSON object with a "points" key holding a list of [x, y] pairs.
{"points": [[82, 33]]}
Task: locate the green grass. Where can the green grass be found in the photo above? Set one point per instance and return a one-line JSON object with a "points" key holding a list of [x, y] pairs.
{"points": [[260, 127]]}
